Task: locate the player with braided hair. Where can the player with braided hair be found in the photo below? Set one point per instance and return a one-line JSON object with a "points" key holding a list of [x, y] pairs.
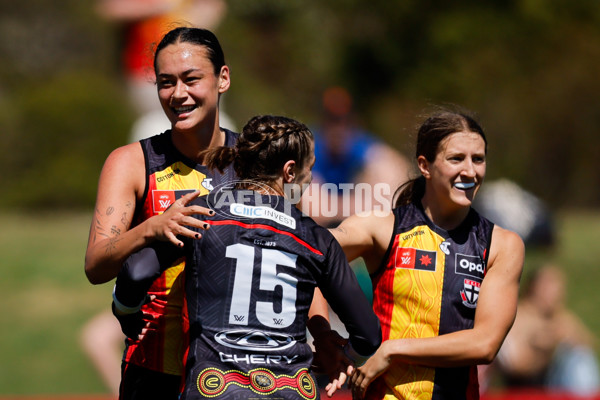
{"points": [[263, 147], [250, 279]]}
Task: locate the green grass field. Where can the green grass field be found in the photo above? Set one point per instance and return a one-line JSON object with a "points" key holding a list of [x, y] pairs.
{"points": [[48, 298]]}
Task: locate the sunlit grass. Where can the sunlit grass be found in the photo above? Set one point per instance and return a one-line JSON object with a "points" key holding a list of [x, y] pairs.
{"points": [[47, 298]]}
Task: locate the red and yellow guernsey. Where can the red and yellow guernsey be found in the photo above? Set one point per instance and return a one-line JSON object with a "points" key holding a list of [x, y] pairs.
{"points": [[169, 175], [428, 285]]}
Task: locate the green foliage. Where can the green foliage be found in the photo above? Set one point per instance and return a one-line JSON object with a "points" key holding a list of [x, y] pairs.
{"points": [[62, 130], [526, 67]]}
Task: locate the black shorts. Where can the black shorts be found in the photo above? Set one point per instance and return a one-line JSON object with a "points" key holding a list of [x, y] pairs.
{"points": [[138, 383]]}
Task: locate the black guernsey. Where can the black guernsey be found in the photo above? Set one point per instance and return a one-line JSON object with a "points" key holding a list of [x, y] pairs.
{"points": [[249, 284]]}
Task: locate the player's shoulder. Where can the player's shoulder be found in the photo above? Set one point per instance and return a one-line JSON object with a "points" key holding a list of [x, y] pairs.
{"points": [[125, 162], [311, 232], [507, 239], [506, 246], [127, 154]]}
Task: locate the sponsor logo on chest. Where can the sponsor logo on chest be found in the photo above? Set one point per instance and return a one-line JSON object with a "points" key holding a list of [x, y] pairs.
{"points": [[471, 266]]}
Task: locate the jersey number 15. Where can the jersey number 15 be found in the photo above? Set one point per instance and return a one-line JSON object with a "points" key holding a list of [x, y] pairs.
{"points": [[269, 280]]}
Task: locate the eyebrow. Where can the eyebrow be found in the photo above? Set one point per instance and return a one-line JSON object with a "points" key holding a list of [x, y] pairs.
{"points": [[186, 72]]}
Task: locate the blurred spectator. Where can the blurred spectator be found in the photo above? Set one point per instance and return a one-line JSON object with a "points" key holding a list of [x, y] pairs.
{"points": [[102, 341], [548, 346], [142, 23], [346, 154], [507, 204]]}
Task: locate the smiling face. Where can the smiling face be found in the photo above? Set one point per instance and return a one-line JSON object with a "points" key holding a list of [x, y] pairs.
{"points": [[188, 88], [456, 174]]}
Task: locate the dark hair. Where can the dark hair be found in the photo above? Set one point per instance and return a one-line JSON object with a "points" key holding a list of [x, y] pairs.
{"points": [[266, 143], [430, 135], [199, 36]]}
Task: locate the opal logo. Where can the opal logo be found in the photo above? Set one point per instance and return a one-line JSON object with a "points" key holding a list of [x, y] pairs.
{"points": [[470, 266]]}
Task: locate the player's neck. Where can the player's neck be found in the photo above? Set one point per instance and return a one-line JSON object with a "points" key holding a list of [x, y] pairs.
{"points": [[193, 144]]}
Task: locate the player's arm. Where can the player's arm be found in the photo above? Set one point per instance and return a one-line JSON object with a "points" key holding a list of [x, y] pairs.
{"points": [[495, 314], [343, 292], [111, 241], [365, 235], [139, 271]]}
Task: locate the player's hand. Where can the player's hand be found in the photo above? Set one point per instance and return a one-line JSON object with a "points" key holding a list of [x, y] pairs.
{"points": [[362, 377], [330, 359], [177, 218], [133, 325], [338, 382]]}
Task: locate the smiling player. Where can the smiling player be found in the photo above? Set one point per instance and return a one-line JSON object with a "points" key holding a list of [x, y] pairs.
{"points": [[445, 279]]}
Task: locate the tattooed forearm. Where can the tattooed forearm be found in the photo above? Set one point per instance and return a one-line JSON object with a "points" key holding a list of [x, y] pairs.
{"points": [[98, 230], [125, 220], [116, 231], [111, 245], [101, 232]]}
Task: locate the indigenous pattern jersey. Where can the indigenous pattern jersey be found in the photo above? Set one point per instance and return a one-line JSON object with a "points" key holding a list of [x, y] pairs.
{"points": [[169, 175], [428, 285], [249, 285]]}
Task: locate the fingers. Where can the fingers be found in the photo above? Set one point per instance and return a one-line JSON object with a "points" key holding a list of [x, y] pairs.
{"points": [[181, 219], [185, 199], [331, 388], [198, 210], [350, 370], [173, 239], [335, 384], [145, 330]]}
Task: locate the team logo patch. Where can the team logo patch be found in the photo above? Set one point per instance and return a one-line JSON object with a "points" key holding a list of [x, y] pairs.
{"points": [[206, 184], [411, 258], [471, 266], [213, 382], [306, 385], [444, 246], [262, 381], [470, 293], [162, 199]]}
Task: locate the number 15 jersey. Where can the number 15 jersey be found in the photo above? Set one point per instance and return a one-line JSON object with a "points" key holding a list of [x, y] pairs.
{"points": [[249, 283]]}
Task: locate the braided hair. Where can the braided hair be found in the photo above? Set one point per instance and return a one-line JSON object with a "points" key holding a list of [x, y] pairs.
{"points": [[266, 143]]}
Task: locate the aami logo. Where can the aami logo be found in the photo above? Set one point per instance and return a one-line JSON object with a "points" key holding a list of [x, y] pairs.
{"points": [[470, 266], [162, 199]]}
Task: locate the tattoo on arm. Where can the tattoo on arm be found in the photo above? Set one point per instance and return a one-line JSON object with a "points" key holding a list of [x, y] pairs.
{"points": [[101, 232], [98, 228], [116, 231], [111, 245], [125, 221]]}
